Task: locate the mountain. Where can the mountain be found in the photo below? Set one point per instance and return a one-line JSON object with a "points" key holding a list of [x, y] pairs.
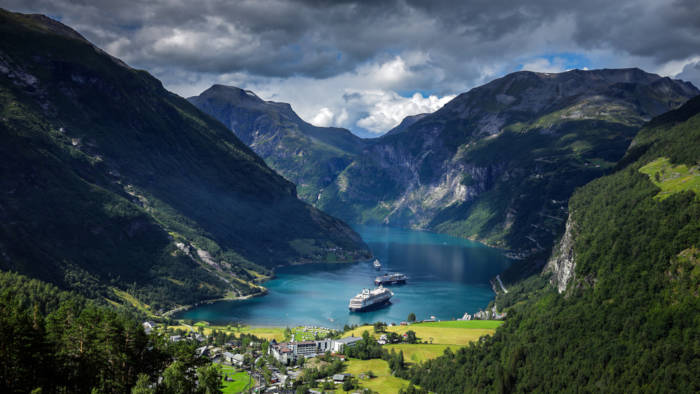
{"points": [[617, 307], [311, 157], [499, 163], [115, 187], [406, 123]]}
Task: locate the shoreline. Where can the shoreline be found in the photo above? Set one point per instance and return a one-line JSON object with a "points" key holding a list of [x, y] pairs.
{"points": [[494, 289], [183, 308]]}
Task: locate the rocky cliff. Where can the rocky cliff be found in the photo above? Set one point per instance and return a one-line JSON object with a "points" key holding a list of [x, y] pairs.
{"points": [[561, 265], [499, 162]]}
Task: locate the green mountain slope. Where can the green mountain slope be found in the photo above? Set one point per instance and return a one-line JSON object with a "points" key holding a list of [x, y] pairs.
{"points": [[109, 180], [624, 314], [499, 162], [309, 156]]}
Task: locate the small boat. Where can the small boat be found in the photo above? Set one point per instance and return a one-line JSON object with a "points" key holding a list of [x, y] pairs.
{"points": [[390, 279], [377, 265]]}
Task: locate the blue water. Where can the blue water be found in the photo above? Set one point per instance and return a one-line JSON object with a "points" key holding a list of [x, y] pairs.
{"points": [[447, 276]]}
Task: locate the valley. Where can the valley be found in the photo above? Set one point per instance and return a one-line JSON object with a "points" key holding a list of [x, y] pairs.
{"points": [[497, 164], [543, 224]]}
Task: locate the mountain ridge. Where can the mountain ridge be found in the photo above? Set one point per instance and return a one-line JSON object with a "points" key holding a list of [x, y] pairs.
{"points": [[309, 156], [622, 284], [457, 170], [114, 182]]}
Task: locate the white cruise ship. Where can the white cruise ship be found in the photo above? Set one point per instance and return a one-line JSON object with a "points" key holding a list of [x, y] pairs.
{"points": [[370, 299]]}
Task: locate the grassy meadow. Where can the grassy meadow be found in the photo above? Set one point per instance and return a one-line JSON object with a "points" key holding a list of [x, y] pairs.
{"points": [[269, 333], [672, 179], [241, 379], [383, 382], [445, 333], [420, 352]]}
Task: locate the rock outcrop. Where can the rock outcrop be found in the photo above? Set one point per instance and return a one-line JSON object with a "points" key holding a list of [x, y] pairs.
{"points": [[562, 263]]}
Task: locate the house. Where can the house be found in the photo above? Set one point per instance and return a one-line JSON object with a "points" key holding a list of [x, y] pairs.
{"points": [[339, 344], [341, 377], [228, 357], [281, 352], [466, 316], [340, 357], [282, 378], [175, 338], [238, 360]]}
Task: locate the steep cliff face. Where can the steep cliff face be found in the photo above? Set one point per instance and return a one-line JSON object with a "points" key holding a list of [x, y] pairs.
{"points": [[561, 265], [499, 162]]}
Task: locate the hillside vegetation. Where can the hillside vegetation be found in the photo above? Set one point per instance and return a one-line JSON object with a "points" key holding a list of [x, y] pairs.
{"points": [[628, 320], [109, 181]]}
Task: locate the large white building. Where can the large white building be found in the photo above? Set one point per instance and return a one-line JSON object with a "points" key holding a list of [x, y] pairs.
{"points": [[289, 352], [339, 344]]}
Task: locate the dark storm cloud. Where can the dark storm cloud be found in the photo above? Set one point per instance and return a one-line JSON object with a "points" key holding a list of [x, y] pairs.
{"points": [[323, 38], [359, 64]]}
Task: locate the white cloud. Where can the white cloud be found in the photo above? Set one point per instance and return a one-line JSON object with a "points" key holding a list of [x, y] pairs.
{"points": [[365, 100], [691, 73], [323, 118], [544, 65], [388, 109]]}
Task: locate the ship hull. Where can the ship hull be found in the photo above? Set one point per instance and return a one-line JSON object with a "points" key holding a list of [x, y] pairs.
{"points": [[390, 282], [373, 307]]}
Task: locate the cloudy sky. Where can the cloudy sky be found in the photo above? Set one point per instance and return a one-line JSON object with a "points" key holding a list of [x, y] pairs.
{"points": [[365, 65]]}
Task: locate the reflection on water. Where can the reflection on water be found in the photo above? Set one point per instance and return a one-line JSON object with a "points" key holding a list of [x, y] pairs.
{"points": [[446, 277]]}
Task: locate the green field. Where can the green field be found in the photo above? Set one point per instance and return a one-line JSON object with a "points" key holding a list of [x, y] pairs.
{"points": [[446, 333], [672, 179], [420, 352], [240, 380], [383, 382], [301, 335], [268, 333]]}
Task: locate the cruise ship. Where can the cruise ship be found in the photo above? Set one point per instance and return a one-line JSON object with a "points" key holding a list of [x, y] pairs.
{"points": [[370, 299], [390, 279], [377, 265]]}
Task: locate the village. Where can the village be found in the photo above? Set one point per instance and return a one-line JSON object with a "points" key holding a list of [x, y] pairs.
{"points": [[311, 358]]}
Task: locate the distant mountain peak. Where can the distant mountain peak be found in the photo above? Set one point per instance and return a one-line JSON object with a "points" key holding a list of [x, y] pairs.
{"points": [[406, 123], [308, 155]]}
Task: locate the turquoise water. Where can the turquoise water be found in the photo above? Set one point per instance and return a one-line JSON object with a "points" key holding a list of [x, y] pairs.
{"points": [[447, 276]]}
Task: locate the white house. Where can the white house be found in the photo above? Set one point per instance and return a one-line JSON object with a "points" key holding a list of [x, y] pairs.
{"points": [[339, 344]]}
